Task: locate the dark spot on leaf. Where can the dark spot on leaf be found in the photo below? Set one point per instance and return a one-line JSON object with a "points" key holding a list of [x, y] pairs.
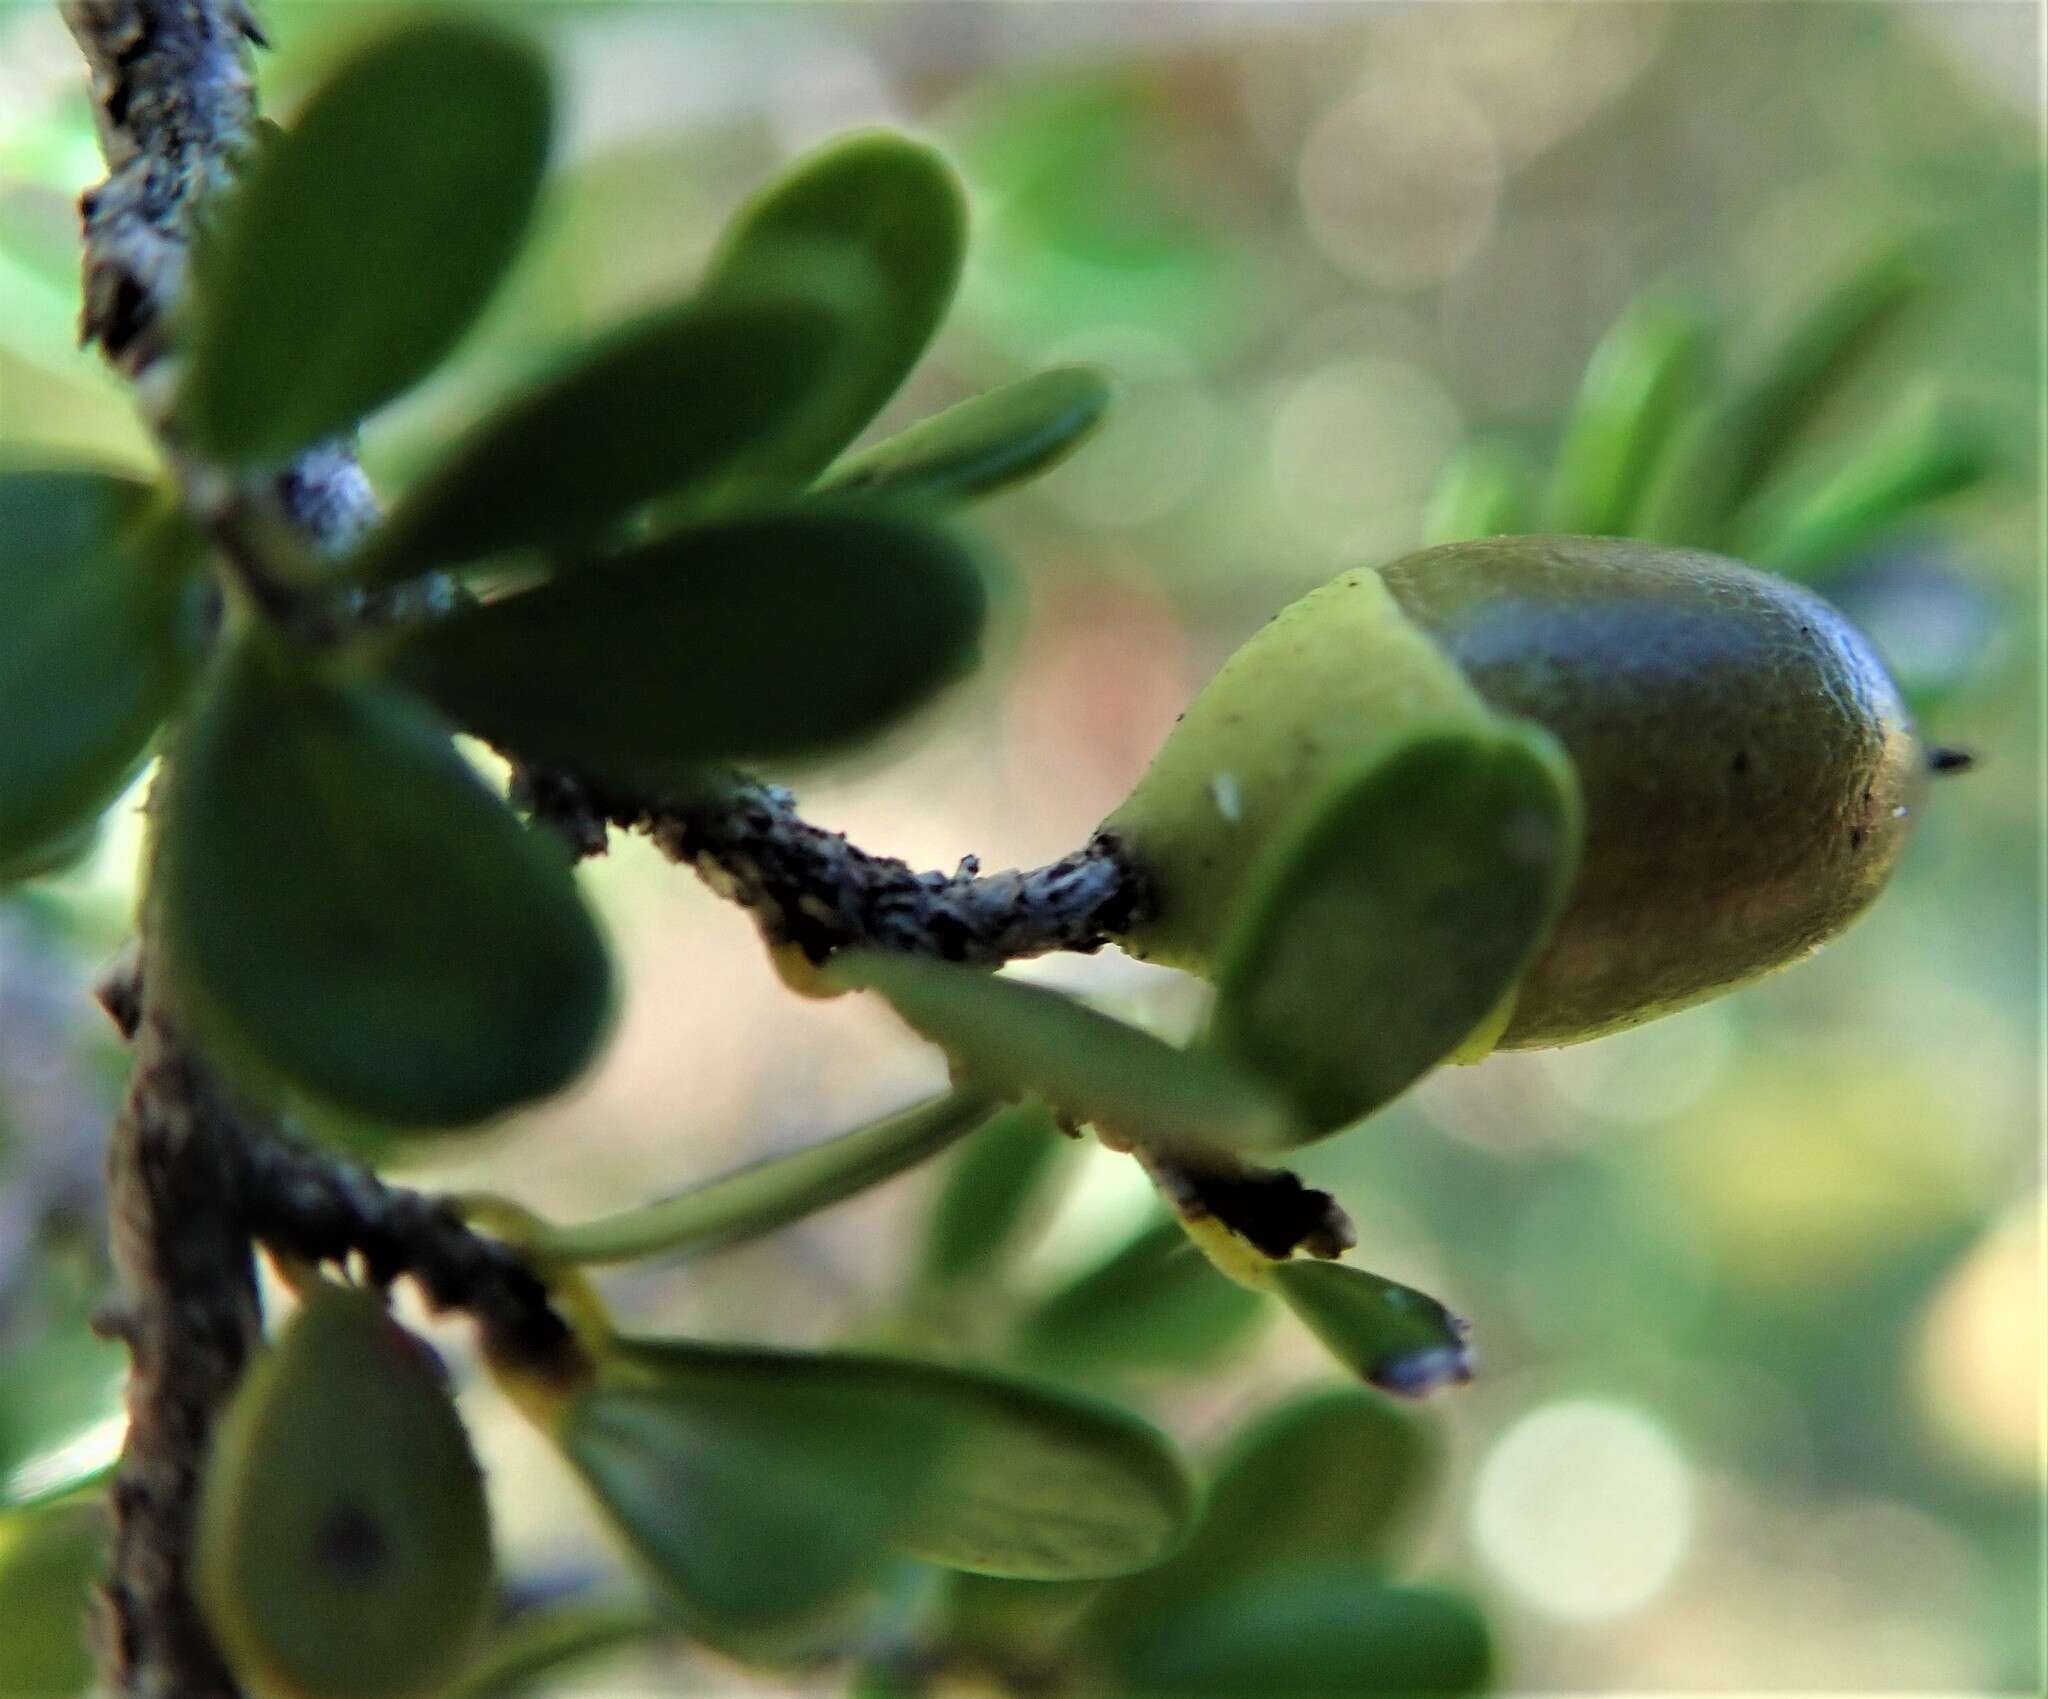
{"points": [[1740, 764], [1856, 838], [350, 1545]]}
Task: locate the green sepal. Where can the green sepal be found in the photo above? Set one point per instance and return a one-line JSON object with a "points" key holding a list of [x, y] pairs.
{"points": [[348, 910], [1329, 1633], [657, 410], [984, 444], [343, 1547], [102, 625], [1384, 931], [365, 239], [1649, 370], [769, 638], [1389, 1335], [1027, 1040], [902, 212]]}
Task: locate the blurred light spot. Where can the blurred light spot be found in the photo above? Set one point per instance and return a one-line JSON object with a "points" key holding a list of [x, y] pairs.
{"points": [[836, 87], [1400, 184], [1650, 1073], [1981, 1343], [1156, 451], [1541, 72], [1354, 450], [1584, 1508]]}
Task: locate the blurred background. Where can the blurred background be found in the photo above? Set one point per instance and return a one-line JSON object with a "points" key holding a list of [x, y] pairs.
{"points": [[1757, 1290]]}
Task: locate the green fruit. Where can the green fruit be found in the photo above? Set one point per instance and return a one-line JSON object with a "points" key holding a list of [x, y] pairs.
{"points": [[1748, 771]]}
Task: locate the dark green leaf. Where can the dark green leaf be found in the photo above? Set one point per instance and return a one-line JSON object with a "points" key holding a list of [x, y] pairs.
{"points": [[990, 1196], [1803, 528], [898, 206], [1398, 917], [1331, 1634], [771, 1193], [534, 1649], [657, 409], [50, 1561], [1398, 1339], [766, 638], [1328, 1478], [1027, 1040], [101, 626], [344, 1549], [1649, 369], [1813, 361], [1015, 1477], [1485, 491], [1154, 1304], [344, 901], [366, 238], [985, 444]]}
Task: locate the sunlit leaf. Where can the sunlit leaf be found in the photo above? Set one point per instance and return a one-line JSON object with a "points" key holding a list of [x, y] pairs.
{"points": [[970, 1470], [346, 903], [1331, 1634], [989, 1196], [50, 1561], [101, 625], [1153, 1304], [1649, 370], [1392, 1336], [657, 408], [898, 206], [773, 1192], [1028, 1040], [344, 1548], [1330, 1478], [1484, 491], [365, 239], [767, 638], [985, 444], [1400, 914]]}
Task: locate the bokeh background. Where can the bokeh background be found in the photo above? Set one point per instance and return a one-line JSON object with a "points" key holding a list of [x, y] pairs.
{"points": [[1758, 1290]]}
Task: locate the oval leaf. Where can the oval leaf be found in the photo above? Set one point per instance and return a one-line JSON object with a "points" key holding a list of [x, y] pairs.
{"points": [[1403, 909], [989, 1198], [365, 239], [346, 903], [343, 1547], [985, 444], [1398, 1339], [1027, 1040], [969, 1470], [898, 206], [658, 409], [1484, 491], [1333, 1634], [767, 638], [101, 625]]}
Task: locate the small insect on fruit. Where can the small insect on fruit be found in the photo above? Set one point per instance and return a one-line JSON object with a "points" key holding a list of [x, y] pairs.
{"points": [[1565, 784]]}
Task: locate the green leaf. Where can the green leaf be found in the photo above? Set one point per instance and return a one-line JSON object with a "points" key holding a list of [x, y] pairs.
{"points": [[1154, 1304], [1484, 491], [657, 409], [1330, 1634], [969, 1470], [50, 1562], [766, 638], [985, 444], [365, 239], [1649, 369], [898, 206], [1382, 934], [540, 1645], [1392, 1336], [1806, 526], [102, 622], [989, 1197], [1328, 1478], [1814, 360], [343, 1548], [346, 904], [757, 1199], [1026, 1040]]}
